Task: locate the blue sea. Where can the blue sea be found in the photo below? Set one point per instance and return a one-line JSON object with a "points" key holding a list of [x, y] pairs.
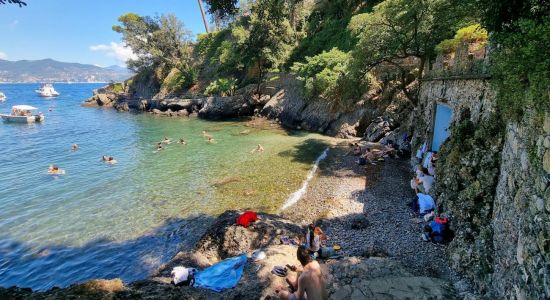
{"points": [[125, 220]]}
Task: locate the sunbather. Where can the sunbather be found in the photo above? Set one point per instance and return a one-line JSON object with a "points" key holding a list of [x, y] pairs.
{"points": [[310, 284]]}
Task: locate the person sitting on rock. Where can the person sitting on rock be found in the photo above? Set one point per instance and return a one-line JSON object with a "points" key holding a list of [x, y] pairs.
{"points": [[425, 182], [314, 238], [310, 283]]}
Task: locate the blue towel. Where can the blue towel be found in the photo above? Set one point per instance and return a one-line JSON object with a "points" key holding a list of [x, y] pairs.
{"points": [[221, 276]]}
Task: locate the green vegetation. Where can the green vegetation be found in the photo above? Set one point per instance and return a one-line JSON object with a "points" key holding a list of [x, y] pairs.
{"points": [[160, 45], [470, 34], [116, 87], [520, 68], [321, 73], [337, 47], [222, 87]]}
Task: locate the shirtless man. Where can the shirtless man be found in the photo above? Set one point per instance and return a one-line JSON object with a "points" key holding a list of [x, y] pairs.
{"points": [[310, 284]]}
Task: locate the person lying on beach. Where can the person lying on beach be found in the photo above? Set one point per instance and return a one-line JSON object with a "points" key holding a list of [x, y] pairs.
{"points": [[258, 149], [310, 283], [74, 147]]}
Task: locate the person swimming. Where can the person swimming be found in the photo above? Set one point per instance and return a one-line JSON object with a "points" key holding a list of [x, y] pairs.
{"points": [[166, 141], [206, 135], [109, 159], [211, 141], [258, 149], [182, 141], [158, 147], [55, 170], [74, 147]]}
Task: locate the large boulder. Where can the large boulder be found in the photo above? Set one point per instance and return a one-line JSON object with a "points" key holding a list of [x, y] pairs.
{"points": [[225, 107], [379, 128], [225, 239], [104, 99]]}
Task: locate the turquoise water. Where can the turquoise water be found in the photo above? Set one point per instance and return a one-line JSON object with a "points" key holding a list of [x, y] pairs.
{"points": [[124, 220]]}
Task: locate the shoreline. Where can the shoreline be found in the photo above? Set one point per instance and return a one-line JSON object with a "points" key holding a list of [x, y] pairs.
{"points": [[385, 253], [373, 199]]}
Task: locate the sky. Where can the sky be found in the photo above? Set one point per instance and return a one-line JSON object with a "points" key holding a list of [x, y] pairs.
{"points": [[80, 30]]}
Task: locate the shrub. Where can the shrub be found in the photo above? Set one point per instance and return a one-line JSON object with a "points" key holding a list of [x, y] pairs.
{"points": [[470, 34], [321, 73], [116, 87], [222, 87], [520, 68]]}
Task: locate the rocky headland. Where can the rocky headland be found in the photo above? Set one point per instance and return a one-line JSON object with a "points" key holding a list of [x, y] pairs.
{"points": [[281, 100]]}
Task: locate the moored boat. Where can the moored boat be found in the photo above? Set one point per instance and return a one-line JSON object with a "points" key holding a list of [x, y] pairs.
{"points": [[23, 114], [47, 90]]}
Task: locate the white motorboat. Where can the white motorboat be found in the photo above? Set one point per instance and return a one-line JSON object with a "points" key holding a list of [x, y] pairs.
{"points": [[2, 97], [47, 90], [23, 114]]}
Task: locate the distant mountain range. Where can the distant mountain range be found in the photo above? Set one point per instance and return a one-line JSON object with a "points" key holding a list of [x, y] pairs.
{"points": [[49, 70]]}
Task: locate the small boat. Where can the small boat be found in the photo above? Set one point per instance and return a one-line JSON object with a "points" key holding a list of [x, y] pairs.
{"points": [[47, 90], [2, 97], [23, 114]]}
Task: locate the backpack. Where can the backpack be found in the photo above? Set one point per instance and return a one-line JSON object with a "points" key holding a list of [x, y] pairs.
{"points": [[438, 231]]}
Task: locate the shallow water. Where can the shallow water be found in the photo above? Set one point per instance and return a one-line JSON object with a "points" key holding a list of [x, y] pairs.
{"points": [[102, 221]]}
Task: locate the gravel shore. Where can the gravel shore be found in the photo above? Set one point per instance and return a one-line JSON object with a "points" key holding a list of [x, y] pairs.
{"points": [[374, 197]]}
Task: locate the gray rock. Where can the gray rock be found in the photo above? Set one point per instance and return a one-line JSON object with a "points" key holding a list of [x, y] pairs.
{"points": [[360, 222]]}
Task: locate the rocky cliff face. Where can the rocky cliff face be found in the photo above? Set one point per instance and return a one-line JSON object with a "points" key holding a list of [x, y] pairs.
{"points": [[493, 179], [281, 100], [521, 213]]}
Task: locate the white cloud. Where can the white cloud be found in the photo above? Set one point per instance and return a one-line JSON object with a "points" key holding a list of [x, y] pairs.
{"points": [[117, 50], [3, 55]]}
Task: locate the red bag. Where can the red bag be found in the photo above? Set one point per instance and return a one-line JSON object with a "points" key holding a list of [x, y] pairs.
{"points": [[247, 217], [440, 220]]}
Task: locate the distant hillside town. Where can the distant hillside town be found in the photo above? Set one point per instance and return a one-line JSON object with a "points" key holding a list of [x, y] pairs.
{"points": [[49, 70]]}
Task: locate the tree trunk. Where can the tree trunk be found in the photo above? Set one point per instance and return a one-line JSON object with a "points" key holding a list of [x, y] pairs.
{"points": [[203, 16], [260, 76]]}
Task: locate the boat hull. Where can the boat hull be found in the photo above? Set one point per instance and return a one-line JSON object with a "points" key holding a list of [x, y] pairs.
{"points": [[22, 119]]}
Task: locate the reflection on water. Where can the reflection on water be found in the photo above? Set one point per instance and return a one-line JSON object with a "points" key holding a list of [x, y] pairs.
{"points": [[109, 221]]}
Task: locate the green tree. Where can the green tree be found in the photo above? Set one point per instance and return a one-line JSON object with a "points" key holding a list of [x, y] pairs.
{"points": [[157, 42], [269, 39], [403, 29], [18, 2], [222, 8], [519, 56]]}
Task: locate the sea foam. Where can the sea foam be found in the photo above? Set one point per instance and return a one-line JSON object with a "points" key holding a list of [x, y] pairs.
{"points": [[292, 199]]}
